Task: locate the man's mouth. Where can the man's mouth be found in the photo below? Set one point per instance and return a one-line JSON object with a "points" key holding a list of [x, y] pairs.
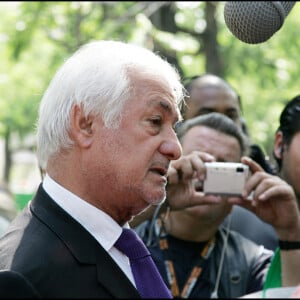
{"points": [[160, 170]]}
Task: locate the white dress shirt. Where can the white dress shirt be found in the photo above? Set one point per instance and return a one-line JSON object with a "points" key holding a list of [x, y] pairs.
{"points": [[99, 224]]}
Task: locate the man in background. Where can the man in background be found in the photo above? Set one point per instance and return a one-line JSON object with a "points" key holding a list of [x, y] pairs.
{"points": [[209, 93], [197, 255], [287, 155], [287, 144]]}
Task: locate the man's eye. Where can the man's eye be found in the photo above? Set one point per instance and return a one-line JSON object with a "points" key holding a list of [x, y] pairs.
{"points": [[156, 121]]}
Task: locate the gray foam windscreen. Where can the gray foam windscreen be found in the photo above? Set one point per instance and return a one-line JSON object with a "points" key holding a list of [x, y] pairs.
{"points": [[254, 22]]}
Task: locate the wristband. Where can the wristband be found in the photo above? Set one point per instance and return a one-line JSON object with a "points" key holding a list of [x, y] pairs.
{"points": [[289, 245]]}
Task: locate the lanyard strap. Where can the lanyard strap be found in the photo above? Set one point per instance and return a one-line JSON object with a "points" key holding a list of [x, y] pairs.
{"points": [[195, 273]]}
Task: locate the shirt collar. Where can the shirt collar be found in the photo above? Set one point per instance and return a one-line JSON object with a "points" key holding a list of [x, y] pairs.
{"points": [[100, 225]]}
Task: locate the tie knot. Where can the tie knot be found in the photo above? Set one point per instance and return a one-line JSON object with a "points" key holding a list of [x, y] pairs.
{"points": [[131, 244]]}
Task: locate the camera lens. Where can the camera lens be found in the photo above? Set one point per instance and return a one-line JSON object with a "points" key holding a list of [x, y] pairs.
{"points": [[240, 169]]}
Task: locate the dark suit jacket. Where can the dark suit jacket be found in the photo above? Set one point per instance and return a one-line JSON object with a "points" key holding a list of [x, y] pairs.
{"points": [[59, 257], [14, 285]]}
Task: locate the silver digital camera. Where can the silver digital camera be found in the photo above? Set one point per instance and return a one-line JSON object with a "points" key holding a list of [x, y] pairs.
{"points": [[225, 178]]}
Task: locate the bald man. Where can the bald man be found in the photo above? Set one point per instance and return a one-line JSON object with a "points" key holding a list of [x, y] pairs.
{"points": [[210, 93]]}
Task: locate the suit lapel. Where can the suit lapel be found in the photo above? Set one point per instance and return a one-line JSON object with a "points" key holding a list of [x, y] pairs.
{"points": [[111, 276], [82, 245]]}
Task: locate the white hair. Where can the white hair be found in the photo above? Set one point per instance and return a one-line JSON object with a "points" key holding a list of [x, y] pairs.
{"points": [[96, 78]]}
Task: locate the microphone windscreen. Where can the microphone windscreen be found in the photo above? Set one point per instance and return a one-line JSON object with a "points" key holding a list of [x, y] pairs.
{"points": [[254, 22]]}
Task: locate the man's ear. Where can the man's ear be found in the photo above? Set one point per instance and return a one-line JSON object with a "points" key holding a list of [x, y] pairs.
{"points": [[81, 129], [278, 145]]}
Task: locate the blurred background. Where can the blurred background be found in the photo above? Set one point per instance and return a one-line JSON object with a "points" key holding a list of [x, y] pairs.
{"points": [[36, 37]]}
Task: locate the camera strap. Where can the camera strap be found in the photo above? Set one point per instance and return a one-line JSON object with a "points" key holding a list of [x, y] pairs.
{"points": [[195, 272]]}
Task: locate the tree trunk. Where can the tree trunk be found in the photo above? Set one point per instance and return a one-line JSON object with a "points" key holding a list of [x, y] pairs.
{"points": [[7, 156], [164, 19], [210, 43]]}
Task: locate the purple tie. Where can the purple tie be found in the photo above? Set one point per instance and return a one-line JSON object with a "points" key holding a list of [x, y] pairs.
{"points": [[147, 278]]}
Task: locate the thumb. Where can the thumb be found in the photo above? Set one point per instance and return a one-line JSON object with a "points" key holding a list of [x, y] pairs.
{"points": [[254, 166]]}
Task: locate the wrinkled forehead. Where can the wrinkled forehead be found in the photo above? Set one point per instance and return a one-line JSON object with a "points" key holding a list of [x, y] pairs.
{"points": [[157, 87], [202, 138], [166, 76]]}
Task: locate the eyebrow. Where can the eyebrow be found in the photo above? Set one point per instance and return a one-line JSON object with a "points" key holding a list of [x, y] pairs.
{"points": [[165, 106], [168, 109]]}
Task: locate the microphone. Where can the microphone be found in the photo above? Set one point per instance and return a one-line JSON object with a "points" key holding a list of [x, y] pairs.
{"points": [[255, 22]]}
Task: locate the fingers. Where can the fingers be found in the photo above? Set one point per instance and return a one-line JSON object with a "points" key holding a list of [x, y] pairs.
{"points": [[188, 167], [279, 190], [180, 199], [199, 198], [259, 181], [185, 176], [266, 186], [254, 166]]}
